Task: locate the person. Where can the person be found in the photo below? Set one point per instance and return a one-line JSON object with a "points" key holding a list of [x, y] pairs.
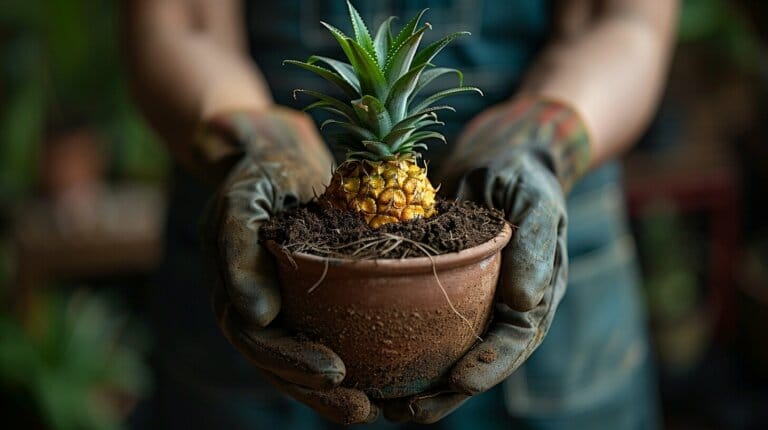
{"points": [[569, 85]]}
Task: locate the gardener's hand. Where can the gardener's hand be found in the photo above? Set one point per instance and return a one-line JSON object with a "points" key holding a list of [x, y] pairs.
{"points": [[521, 157], [283, 163]]}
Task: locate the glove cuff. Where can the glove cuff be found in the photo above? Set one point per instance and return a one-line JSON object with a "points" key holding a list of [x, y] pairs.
{"points": [[557, 132]]}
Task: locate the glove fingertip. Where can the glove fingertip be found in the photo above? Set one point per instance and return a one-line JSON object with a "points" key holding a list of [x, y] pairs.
{"points": [[373, 415], [462, 386], [341, 405], [345, 406], [433, 409], [265, 310], [477, 372]]}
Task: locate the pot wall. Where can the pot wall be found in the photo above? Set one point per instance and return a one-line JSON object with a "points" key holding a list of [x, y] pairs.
{"points": [[389, 320]]}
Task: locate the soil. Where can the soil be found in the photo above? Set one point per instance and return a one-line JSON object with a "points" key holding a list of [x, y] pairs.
{"points": [[318, 230]]}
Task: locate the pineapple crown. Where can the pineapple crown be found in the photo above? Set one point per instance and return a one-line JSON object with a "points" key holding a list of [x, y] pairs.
{"points": [[384, 76]]}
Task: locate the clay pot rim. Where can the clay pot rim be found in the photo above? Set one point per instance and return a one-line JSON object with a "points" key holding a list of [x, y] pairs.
{"points": [[397, 266]]}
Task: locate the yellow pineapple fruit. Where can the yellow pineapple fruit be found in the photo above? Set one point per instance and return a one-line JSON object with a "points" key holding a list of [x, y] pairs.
{"points": [[382, 192]]}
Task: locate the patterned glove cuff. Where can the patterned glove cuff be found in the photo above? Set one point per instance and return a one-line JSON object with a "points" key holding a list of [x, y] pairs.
{"points": [[557, 132]]}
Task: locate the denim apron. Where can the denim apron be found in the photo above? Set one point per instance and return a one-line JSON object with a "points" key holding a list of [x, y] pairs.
{"points": [[592, 370]]}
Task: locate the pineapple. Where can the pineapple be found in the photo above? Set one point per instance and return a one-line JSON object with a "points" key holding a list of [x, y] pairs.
{"points": [[382, 121]]}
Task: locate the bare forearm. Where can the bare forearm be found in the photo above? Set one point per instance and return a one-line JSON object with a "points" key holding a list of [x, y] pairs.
{"points": [[189, 63], [611, 70]]}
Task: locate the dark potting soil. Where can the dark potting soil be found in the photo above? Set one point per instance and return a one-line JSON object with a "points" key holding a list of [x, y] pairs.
{"points": [[318, 230]]}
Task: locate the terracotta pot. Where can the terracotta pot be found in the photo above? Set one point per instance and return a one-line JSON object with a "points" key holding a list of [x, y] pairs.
{"points": [[389, 319]]}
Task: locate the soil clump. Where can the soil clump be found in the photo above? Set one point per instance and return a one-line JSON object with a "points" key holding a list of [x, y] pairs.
{"points": [[314, 229]]}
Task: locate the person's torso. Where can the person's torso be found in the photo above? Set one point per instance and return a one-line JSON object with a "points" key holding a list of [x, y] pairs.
{"points": [[506, 36]]}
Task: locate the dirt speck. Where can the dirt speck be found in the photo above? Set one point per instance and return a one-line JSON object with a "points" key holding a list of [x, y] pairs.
{"points": [[487, 356]]}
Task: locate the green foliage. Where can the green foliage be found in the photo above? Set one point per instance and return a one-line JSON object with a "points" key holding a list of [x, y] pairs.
{"points": [[722, 27], [670, 281], [383, 78], [60, 63], [72, 357]]}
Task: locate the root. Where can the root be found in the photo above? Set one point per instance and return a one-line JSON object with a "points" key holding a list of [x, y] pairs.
{"points": [[371, 248], [322, 278], [425, 249]]}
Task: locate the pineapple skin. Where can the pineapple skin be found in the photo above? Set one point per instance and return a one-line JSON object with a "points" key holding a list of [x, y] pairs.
{"points": [[382, 192]]}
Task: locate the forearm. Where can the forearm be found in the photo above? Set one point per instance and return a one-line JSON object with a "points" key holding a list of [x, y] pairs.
{"points": [[189, 63], [611, 70]]}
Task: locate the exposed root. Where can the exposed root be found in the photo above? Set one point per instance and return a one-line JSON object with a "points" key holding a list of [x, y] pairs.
{"points": [[322, 278], [328, 232], [368, 248], [425, 250]]}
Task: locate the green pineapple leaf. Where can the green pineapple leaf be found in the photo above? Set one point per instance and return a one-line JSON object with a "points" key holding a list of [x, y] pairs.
{"points": [[328, 108], [396, 136], [341, 39], [328, 75], [443, 94], [372, 80], [383, 41], [400, 61], [378, 148], [427, 54], [430, 75], [413, 120], [333, 102], [361, 133], [372, 112], [362, 36], [397, 101], [407, 31], [345, 70]]}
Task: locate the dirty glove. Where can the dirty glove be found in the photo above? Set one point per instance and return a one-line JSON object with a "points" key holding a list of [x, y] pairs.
{"points": [[521, 157], [283, 162]]}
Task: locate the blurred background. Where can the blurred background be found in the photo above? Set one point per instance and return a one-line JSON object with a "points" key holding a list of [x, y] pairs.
{"points": [[82, 209]]}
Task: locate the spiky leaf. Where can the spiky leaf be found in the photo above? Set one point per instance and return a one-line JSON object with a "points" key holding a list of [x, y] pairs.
{"points": [[371, 112], [372, 80], [399, 61], [362, 36], [408, 30], [427, 54], [429, 101], [396, 136], [328, 108], [341, 39], [328, 75], [361, 133], [378, 148], [397, 101], [333, 102], [383, 41], [343, 69], [430, 75]]}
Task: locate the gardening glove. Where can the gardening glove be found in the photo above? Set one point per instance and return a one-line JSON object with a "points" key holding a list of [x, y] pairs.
{"points": [[521, 157], [283, 163]]}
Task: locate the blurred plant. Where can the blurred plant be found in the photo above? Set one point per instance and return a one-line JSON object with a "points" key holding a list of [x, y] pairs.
{"points": [[670, 278], [679, 316], [723, 28], [59, 61], [70, 363]]}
